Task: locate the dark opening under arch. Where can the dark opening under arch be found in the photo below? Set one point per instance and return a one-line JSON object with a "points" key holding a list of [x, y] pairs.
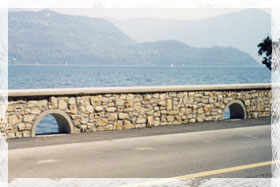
{"points": [[235, 110], [63, 121]]}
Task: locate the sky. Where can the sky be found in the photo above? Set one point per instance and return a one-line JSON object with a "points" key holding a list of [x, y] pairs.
{"points": [[163, 13]]}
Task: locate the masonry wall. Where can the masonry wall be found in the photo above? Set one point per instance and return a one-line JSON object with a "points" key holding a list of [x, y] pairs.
{"points": [[91, 110]]}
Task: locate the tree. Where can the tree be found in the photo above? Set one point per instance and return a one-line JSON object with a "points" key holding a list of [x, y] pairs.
{"points": [[265, 48]]}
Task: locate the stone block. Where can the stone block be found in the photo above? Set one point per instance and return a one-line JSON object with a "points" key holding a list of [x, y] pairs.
{"points": [[62, 105], [141, 119], [111, 104], [20, 126], [53, 103], [163, 118], [111, 109], [89, 108], [83, 128], [82, 109], [112, 116], [147, 97], [109, 128], [73, 109], [169, 104], [209, 118], [130, 96], [72, 101], [98, 108], [150, 122], [142, 111], [11, 135], [170, 118], [84, 119], [162, 103], [13, 119], [207, 108], [119, 102], [26, 133], [188, 111], [200, 111], [28, 126], [150, 112], [100, 129], [18, 134], [101, 122], [174, 112], [255, 115], [28, 118], [162, 96], [193, 120], [34, 111], [76, 122], [11, 108], [182, 111], [128, 110], [31, 104], [205, 100], [123, 116], [212, 100], [156, 108], [105, 100], [260, 107], [84, 101], [42, 103], [127, 125], [156, 114], [91, 127], [118, 125], [199, 119], [137, 106], [95, 100]]}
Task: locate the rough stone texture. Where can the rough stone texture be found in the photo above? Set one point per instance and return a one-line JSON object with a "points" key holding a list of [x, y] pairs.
{"points": [[123, 116], [118, 125], [101, 122], [113, 111], [62, 105], [127, 125], [28, 118]]}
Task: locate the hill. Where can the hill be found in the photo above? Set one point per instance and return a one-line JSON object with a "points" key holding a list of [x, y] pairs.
{"points": [[47, 37], [242, 30]]}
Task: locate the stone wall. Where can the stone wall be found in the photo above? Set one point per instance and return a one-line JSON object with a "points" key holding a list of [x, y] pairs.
{"points": [[100, 109]]}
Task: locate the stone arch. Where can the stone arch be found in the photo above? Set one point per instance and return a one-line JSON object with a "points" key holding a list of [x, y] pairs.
{"points": [[237, 110], [64, 122]]}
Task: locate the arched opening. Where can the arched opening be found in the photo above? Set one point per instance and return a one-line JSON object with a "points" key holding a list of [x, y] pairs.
{"points": [[235, 110], [48, 125], [52, 122]]}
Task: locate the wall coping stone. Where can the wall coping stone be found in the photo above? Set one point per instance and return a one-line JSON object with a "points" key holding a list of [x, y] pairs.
{"points": [[141, 89]]}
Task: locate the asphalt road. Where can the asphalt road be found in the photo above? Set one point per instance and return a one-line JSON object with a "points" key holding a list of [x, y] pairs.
{"points": [[155, 155]]}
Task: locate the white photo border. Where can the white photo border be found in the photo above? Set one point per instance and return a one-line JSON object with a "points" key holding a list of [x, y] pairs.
{"points": [[275, 132]]}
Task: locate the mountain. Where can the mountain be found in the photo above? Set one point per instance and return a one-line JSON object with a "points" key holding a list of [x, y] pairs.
{"points": [[47, 37], [243, 30]]}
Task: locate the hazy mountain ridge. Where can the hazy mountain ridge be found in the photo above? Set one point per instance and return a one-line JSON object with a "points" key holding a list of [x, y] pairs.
{"points": [[242, 30], [48, 37]]}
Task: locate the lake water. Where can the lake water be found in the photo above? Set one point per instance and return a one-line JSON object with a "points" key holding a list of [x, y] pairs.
{"points": [[38, 76], [24, 77]]}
